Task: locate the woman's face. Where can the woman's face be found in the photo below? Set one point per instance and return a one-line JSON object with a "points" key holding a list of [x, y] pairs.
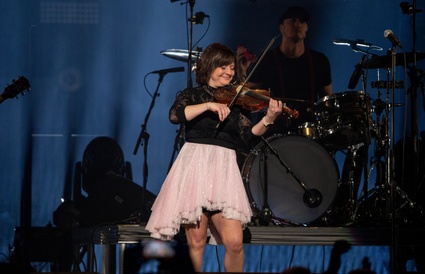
{"points": [[222, 76]]}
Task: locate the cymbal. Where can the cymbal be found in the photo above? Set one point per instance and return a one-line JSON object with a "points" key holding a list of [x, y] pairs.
{"points": [[181, 54], [385, 61]]}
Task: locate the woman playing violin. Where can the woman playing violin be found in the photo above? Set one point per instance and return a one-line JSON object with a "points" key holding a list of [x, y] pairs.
{"points": [[204, 187]]}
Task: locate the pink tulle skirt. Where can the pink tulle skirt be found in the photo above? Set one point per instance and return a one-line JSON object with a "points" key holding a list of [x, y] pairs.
{"points": [[202, 176]]}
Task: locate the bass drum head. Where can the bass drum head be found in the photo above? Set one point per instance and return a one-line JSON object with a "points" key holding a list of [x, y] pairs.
{"points": [[306, 160]]}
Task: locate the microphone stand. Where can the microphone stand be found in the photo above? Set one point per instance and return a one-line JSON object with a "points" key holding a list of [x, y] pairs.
{"points": [[145, 137], [415, 83], [390, 168], [414, 79]]}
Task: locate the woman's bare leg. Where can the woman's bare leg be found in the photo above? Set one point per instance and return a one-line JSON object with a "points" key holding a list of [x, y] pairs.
{"points": [[231, 236], [196, 236]]}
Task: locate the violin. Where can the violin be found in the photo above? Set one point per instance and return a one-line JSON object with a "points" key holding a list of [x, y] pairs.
{"points": [[251, 99]]}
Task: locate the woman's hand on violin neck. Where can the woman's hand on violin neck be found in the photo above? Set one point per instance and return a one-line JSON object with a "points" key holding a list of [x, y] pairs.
{"points": [[274, 110], [222, 110]]}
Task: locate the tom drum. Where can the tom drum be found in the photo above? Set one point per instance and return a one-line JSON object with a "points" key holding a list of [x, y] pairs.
{"points": [[344, 119]]}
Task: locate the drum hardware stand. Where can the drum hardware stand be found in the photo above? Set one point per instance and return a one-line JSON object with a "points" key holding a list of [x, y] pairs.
{"points": [[266, 213], [352, 195], [365, 144], [379, 153], [353, 178], [351, 207], [312, 197], [376, 160], [380, 192], [365, 182], [381, 184]]}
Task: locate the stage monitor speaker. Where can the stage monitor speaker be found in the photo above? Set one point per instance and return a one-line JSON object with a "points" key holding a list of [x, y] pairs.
{"points": [[115, 200], [15, 268], [45, 243]]}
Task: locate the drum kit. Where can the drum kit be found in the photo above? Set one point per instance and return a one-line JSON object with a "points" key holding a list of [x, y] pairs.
{"points": [[294, 179], [279, 187], [344, 122]]}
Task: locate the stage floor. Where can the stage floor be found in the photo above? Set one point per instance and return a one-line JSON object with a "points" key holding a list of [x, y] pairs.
{"points": [[268, 248], [276, 235]]}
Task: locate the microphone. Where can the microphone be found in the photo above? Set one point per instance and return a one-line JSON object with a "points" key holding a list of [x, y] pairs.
{"points": [[390, 36], [407, 8], [165, 71], [198, 18], [355, 77], [356, 74]]}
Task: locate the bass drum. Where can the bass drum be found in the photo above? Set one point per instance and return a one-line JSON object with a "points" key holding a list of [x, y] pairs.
{"points": [[304, 159]]}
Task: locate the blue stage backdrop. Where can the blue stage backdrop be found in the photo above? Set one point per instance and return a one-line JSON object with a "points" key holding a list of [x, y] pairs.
{"points": [[89, 64]]}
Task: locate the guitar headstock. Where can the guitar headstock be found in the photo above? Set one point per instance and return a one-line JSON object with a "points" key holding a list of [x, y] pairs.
{"points": [[15, 88]]}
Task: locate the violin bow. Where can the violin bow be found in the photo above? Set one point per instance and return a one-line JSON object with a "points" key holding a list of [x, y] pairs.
{"points": [[253, 69], [238, 90]]}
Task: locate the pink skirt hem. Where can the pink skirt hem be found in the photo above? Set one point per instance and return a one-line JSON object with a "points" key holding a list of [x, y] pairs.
{"points": [[202, 177]]}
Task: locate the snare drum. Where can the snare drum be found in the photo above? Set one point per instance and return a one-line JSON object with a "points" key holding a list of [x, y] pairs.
{"points": [[344, 119], [268, 182], [309, 130]]}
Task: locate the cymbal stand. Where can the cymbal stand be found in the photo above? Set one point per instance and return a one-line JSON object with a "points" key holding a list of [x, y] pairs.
{"points": [[380, 151], [376, 160], [179, 139], [189, 59]]}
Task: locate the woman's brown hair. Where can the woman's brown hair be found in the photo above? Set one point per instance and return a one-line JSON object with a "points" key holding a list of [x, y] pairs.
{"points": [[214, 56]]}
